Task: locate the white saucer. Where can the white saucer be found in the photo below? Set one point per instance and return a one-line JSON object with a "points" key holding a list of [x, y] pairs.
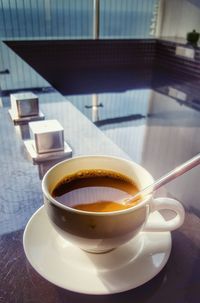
{"points": [[69, 267]]}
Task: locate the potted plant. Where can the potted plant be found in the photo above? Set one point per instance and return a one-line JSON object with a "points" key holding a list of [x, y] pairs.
{"points": [[193, 37]]}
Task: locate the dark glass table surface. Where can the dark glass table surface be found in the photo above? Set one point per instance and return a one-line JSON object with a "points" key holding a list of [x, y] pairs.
{"points": [[144, 124]]}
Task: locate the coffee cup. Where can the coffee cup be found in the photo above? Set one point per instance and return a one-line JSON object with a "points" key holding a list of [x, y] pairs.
{"points": [[99, 232]]}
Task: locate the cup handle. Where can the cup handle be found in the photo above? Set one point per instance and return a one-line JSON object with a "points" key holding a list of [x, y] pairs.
{"points": [[172, 224]]}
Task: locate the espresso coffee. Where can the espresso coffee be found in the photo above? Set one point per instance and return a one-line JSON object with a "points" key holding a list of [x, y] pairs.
{"points": [[95, 190]]}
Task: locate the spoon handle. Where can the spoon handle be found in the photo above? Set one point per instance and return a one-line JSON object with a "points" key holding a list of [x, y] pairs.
{"points": [[176, 172]]}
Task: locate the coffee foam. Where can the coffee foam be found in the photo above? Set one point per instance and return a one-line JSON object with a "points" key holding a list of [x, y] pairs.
{"points": [[90, 173]]}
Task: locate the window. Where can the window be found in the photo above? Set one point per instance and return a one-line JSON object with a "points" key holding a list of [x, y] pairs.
{"points": [[73, 19]]}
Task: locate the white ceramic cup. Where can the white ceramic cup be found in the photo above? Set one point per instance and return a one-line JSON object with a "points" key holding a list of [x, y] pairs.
{"points": [[102, 231]]}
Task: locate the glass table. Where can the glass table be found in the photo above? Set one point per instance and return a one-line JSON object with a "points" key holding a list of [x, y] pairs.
{"points": [[154, 125]]}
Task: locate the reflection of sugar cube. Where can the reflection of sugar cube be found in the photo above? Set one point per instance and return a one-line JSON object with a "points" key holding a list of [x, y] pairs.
{"points": [[24, 104], [48, 136]]}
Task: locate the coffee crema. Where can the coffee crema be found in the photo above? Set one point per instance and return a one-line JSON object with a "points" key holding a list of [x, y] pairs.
{"points": [[95, 190]]}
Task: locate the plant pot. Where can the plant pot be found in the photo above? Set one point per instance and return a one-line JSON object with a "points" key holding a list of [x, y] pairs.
{"points": [[193, 38]]}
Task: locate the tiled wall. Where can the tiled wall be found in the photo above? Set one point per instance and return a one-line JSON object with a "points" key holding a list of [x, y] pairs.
{"points": [[89, 65], [74, 66], [87, 53], [166, 58], [176, 76]]}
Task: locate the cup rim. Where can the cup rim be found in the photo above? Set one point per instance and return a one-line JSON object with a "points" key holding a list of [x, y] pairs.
{"points": [[83, 212]]}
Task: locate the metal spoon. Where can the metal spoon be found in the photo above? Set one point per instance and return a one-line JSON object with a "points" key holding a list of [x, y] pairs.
{"points": [[176, 172]]}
